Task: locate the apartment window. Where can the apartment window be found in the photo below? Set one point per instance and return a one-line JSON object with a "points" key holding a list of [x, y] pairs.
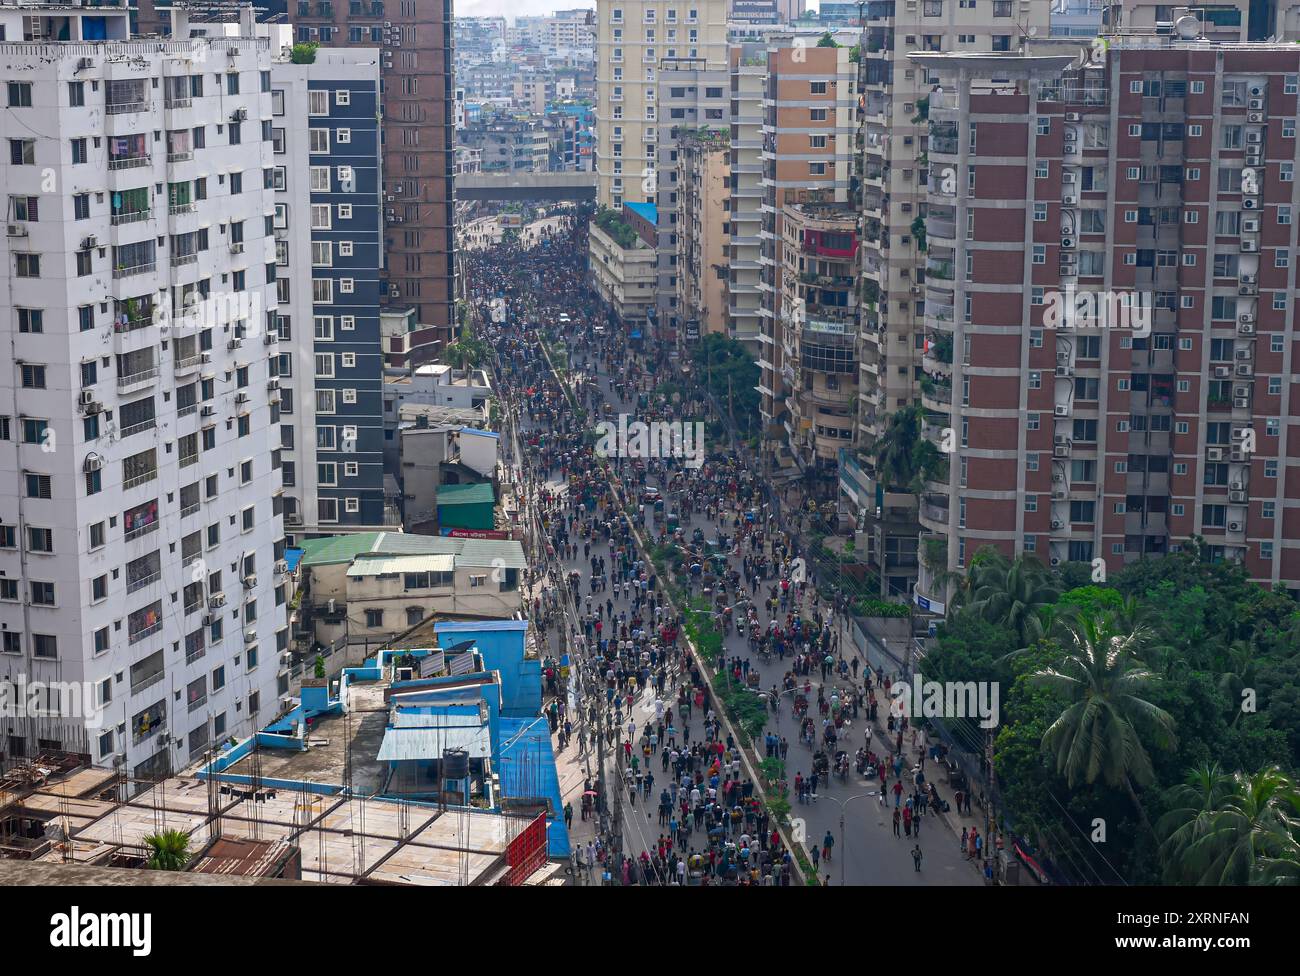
{"points": [[22, 152]]}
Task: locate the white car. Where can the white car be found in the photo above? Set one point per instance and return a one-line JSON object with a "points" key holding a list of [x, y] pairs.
{"points": [[564, 317]]}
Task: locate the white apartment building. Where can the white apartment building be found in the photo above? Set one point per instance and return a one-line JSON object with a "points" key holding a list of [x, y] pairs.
{"points": [[140, 513], [636, 40], [748, 83]]}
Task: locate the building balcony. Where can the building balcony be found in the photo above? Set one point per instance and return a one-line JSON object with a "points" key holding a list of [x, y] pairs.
{"points": [[147, 682], [135, 482], [130, 162], [139, 269], [126, 108], [129, 217], [133, 381]]}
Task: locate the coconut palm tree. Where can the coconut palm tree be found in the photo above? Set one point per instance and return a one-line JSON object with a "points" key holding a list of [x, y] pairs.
{"points": [[169, 850], [1014, 594], [1099, 734], [905, 459], [1192, 805], [1246, 830]]}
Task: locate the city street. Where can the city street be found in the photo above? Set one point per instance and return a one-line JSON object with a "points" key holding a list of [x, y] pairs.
{"points": [[866, 853]]}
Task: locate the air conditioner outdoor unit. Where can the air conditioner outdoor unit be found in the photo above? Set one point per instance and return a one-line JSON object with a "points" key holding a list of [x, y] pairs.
{"points": [[1057, 525], [272, 385], [250, 637], [239, 115], [1247, 290], [1064, 371], [1250, 225], [1242, 390], [286, 704], [1069, 176], [1058, 478], [1237, 497], [1070, 200], [1256, 91], [1222, 372], [1245, 369], [1253, 157], [241, 397], [89, 241], [1241, 403], [1245, 318], [1060, 439], [1214, 454], [86, 397], [234, 344], [271, 338], [1060, 495], [216, 601], [205, 358], [1255, 138], [1255, 103], [237, 247], [1061, 410], [208, 620], [286, 658], [1245, 328], [94, 462], [1234, 526], [17, 230], [1249, 246], [1248, 278], [1067, 242], [1061, 450], [250, 582], [1254, 116], [1072, 116], [208, 410], [1250, 203], [281, 566]]}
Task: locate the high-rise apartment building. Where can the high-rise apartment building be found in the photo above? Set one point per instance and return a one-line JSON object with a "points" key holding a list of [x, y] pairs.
{"points": [[638, 42], [141, 540], [809, 111], [703, 231], [416, 51], [748, 86], [1118, 249], [890, 185], [1219, 20], [329, 250]]}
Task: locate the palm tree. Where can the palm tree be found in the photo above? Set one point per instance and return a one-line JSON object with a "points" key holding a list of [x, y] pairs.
{"points": [[905, 458], [1245, 830], [169, 850], [1192, 804], [1239, 674], [1014, 594], [1098, 736]]}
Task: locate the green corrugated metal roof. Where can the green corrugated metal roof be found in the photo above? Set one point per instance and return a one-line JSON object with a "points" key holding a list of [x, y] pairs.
{"points": [[466, 495], [506, 553], [344, 548], [336, 548]]}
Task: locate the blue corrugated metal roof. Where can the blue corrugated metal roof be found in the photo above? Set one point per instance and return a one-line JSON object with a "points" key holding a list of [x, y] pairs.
{"points": [[527, 770]]}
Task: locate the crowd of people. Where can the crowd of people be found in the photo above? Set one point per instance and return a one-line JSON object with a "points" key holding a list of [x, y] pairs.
{"points": [[561, 364]]}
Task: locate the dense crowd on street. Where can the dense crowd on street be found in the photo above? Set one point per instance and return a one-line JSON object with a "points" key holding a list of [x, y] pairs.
{"points": [[561, 364]]}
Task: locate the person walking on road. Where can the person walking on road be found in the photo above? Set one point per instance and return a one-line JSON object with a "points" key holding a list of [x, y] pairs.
{"points": [[916, 857]]}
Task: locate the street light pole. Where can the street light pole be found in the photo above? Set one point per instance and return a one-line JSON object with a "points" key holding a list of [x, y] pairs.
{"points": [[843, 804]]}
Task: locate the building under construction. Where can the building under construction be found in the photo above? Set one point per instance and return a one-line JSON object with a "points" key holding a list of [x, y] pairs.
{"points": [[56, 810]]}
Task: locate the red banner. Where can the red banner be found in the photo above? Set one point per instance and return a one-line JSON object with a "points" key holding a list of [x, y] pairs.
{"points": [[526, 853]]}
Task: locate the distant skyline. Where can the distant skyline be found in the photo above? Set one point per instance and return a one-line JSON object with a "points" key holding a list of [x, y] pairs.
{"points": [[527, 8]]}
